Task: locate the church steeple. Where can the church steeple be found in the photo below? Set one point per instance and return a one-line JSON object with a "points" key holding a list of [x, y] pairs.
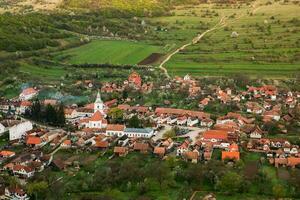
{"points": [[98, 99], [99, 105]]}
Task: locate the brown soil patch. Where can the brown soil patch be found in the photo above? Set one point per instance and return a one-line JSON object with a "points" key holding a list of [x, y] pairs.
{"points": [[154, 57]]}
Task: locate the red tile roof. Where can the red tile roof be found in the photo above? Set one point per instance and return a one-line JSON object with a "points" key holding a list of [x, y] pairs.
{"points": [[97, 116], [216, 134], [115, 127], [159, 150], [180, 112], [230, 155], [25, 103], [7, 153], [33, 140]]}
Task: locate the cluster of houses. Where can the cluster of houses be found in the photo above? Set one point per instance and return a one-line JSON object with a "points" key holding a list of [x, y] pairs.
{"points": [[94, 131]]}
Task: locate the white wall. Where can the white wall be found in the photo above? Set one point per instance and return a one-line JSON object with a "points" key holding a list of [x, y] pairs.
{"points": [[17, 131]]}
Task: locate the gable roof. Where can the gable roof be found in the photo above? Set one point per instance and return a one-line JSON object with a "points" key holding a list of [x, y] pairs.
{"points": [[120, 150], [159, 150], [215, 134], [97, 116]]}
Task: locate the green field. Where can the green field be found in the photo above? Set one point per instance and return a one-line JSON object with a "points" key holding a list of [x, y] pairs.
{"points": [[268, 42], [112, 52]]}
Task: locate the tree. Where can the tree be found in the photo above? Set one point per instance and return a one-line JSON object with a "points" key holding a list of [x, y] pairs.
{"points": [[61, 119], [50, 114], [116, 115], [160, 172], [230, 183], [134, 122], [170, 133], [278, 191], [37, 189]]}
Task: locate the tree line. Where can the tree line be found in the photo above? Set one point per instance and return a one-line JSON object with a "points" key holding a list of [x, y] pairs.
{"points": [[52, 115]]}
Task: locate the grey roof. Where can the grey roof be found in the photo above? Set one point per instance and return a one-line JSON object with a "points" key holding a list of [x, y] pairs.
{"points": [[138, 130]]}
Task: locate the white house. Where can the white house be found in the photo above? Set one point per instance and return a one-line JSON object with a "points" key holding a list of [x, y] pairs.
{"points": [[115, 130], [139, 132], [28, 94], [17, 131], [15, 194], [23, 171], [2, 129], [192, 121]]}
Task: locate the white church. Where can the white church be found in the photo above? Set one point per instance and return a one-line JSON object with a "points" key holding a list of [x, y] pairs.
{"points": [[97, 120]]}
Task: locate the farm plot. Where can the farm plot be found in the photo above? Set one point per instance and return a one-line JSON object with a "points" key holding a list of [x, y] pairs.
{"points": [[264, 43]]}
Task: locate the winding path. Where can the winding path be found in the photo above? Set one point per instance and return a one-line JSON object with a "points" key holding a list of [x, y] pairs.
{"points": [[195, 40]]}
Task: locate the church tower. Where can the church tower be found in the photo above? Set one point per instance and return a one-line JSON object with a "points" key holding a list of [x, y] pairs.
{"points": [[99, 105]]}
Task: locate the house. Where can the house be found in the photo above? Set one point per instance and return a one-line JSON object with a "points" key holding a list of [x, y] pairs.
{"points": [[115, 130], [24, 105], [207, 122], [254, 107], [192, 121], [272, 114], [192, 156], [181, 121], [23, 171], [102, 144], [172, 120], [70, 113], [184, 147], [121, 151], [139, 132], [7, 154], [34, 141], [17, 131], [135, 80], [2, 129], [28, 94], [141, 147], [215, 136], [230, 155], [203, 103], [16, 194], [96, 121], [160, 151], [66, 144]]}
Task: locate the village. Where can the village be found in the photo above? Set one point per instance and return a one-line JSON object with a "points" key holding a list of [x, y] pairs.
{"points": [[119, 128]]}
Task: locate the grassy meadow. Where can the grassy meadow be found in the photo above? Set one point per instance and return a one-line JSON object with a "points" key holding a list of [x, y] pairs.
{"points": [[110, 51]]}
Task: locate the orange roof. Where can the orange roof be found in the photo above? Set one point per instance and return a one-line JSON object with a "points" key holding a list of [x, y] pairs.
{"points": [[33, 140], [159, 150], [180, 112], [120, 150], [26, 103], [67, 142], [215, 134], [89, 106], [97, 116], [29, 91], [101, 144], [115, 127], [230, 155], [293, 161], [233, 147], [7, 153]]}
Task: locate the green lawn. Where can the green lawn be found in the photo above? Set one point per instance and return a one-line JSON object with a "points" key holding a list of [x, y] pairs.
{"points": [[113, 52]]}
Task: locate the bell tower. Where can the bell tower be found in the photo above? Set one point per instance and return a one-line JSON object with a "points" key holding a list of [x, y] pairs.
{"points": [[99, 105]]}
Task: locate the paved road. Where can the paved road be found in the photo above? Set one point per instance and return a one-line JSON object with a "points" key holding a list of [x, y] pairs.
{"points": [[194, 134]]}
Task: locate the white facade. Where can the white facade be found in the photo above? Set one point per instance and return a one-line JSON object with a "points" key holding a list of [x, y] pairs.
{"points": [[99, 105], [2, 129], [17, 131]]}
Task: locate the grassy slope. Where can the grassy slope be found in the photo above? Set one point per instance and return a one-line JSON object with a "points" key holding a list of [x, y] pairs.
{"points": [[114, 52], [276, 55]]}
